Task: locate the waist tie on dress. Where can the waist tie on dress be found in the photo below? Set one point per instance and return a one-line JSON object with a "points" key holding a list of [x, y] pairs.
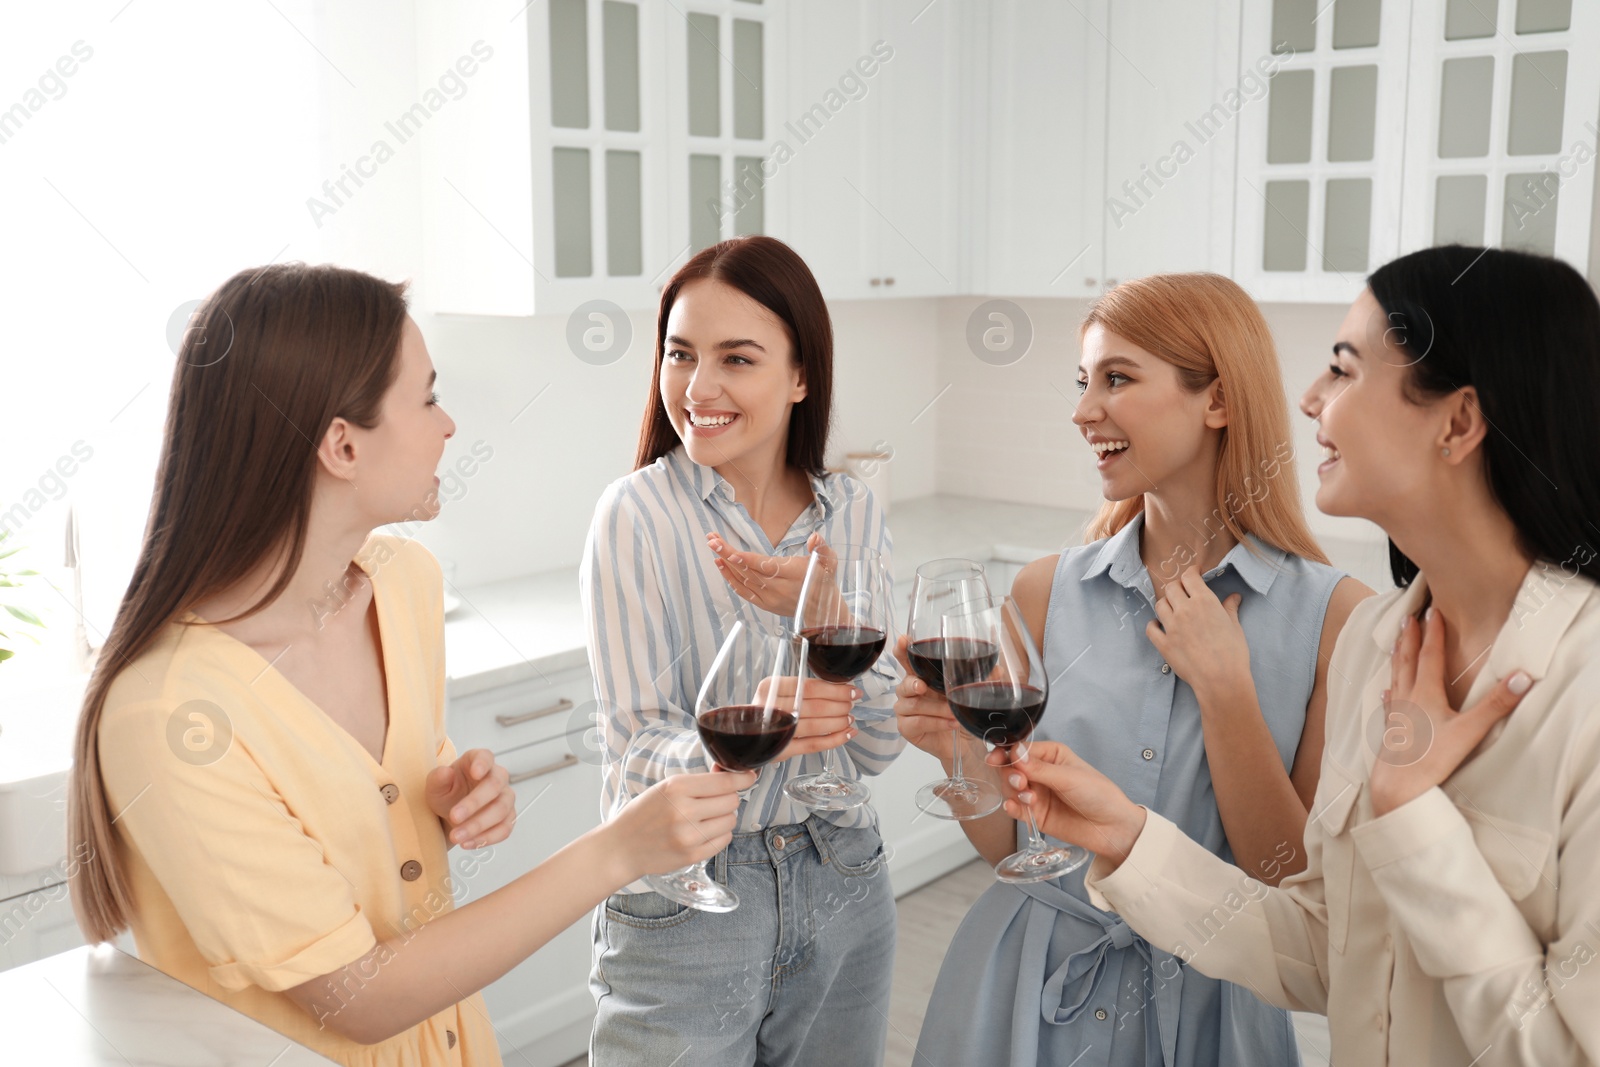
{"points": [[1072, 986]]}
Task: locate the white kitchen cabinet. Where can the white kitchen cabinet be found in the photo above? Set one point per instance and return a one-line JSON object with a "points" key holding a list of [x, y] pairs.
{"points": [[37, 924], [541, 1007], [1036, 204], [1501, 126], [606, 141], [1173, 95], [871, 138]]}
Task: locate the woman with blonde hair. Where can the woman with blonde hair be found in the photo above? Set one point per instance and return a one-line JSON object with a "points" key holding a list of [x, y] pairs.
{"points": [[1187, 646]]}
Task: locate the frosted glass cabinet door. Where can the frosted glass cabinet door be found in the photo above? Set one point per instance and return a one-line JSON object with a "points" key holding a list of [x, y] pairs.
{"points": [[1505, 98], [1318, 196]]}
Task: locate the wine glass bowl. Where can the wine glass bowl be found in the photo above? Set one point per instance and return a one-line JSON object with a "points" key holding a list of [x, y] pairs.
{"points": [[746, 714], [940, 586], [843, 617], [1000, 701]]}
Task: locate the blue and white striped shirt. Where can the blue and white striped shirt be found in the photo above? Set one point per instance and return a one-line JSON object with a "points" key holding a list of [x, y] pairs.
{"points": [[657, 611]]}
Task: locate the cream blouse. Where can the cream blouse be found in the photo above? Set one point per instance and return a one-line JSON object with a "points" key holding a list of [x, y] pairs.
{"points": [[1460, 928]]}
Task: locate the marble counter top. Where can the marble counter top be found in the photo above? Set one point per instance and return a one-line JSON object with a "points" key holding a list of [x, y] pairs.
{"points": [[509, 631], [100, 1006]]}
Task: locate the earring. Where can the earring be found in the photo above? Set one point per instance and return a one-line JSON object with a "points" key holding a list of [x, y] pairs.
{"points": [[1444, 452]]}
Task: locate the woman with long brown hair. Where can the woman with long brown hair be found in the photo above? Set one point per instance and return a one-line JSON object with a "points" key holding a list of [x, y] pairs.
{"points": [[1187, 649], [732, 444], [263, 788]]}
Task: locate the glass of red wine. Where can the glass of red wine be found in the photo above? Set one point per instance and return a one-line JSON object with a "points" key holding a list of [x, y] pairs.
{"points": [[843, 616], [940, 586], [999, 701], [746, 715]]}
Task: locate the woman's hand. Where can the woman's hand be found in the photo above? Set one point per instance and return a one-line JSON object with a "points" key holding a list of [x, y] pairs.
{"points": [[473, 800], [922, 713], [678, 821], [771, 583], [825, 715], [1071, 801], [1199, 635], [1424, 738]]}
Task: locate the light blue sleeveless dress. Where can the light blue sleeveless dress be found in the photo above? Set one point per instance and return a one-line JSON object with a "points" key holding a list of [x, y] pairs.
{"points": [[1036, 975]]}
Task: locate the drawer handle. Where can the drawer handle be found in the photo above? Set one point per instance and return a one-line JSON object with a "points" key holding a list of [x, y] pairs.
{"points": [[569, 760], [528, 716]]}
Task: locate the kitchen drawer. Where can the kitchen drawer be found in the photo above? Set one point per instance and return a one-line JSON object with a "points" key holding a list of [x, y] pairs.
{"points": [[558, 799], [511, 716]]}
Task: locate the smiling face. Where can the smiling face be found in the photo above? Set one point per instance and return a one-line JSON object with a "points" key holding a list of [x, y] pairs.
{"points": [[1379, 449], [397, 457], [1143, 425], [728, 377]]}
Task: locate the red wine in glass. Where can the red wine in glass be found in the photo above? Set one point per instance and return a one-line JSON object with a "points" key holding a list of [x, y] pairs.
{"points": [[745, 737], [1002, 705], [929, 656], [997, 712], [843, 619], [940, 585], [843, 653], [745, 715]]}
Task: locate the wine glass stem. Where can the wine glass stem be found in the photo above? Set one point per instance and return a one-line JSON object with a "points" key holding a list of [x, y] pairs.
{"points": [[829, 767], [1036, 842], [955, 757]]}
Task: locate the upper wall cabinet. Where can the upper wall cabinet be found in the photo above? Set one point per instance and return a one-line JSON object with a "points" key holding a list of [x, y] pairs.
{"points": [[1392, 126], [1501, 125], [1110, 143], [619, 138], [1036, 204], [866, 158], [1321, 157], [1008, 147]]}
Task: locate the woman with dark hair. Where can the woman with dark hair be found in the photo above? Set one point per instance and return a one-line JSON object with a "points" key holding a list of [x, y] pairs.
{"points": [[263, 789], [1449, 912], [732, 443]]}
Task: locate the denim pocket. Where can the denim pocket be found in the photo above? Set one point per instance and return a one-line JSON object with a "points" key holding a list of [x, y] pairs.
{"points": [[646, 911], [855, 853]]}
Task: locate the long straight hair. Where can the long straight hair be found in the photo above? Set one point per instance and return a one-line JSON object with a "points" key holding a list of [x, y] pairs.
{"points": [[272, 357], [1524, 331], [774, 276], [1210, 330]]}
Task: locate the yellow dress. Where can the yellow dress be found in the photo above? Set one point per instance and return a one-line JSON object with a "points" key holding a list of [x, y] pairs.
{"points": [[264, 844]]}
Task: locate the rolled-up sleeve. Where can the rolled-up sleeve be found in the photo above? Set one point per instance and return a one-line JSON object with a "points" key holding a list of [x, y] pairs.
{"points": [[260, 898]]}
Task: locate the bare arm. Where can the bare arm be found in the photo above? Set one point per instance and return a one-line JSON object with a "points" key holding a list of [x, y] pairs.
{"points": [[417, 974], [1264, 809]]}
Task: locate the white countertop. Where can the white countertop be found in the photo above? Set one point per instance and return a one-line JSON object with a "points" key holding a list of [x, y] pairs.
{"points": [[510, 631], [100, 1006]]}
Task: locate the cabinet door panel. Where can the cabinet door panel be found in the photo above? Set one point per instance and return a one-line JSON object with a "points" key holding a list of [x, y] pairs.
{"points": [[1040, 216], [1173, 93]]}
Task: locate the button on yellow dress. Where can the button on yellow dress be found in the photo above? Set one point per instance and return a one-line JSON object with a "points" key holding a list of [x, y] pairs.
{"points": [[264, 844]]}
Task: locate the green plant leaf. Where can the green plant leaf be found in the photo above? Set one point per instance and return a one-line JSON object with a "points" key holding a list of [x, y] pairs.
{"points": [[5, 654], [24, 614]]}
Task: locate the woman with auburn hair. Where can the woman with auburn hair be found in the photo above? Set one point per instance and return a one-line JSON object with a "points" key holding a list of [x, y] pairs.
{"points": [[731, 454], [1187, 649], [263, 789], [1448, 913]]}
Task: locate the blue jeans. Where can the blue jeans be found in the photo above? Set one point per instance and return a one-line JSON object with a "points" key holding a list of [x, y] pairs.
{"points": [[797, 975]]}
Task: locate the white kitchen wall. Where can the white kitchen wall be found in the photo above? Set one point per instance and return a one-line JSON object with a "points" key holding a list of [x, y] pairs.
{"points": [[561, 429], [1005, 432]]}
